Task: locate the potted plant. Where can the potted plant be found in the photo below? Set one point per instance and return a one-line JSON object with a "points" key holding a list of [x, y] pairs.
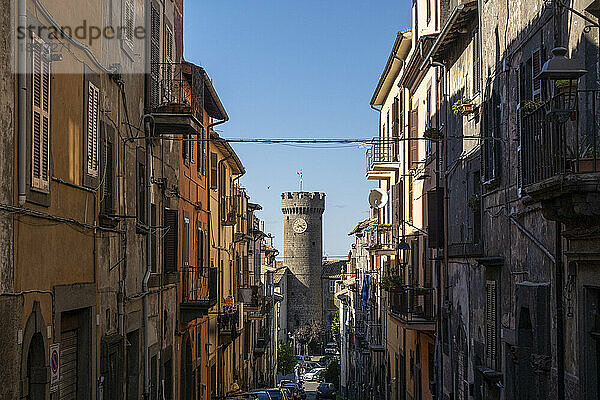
{"points": [[565, 86], [463, 106], [432, 133], [589, 161], [530, 106], [474, 202]]}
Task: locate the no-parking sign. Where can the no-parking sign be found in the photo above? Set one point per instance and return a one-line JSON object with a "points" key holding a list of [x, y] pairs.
{"points": [[54, 363]]}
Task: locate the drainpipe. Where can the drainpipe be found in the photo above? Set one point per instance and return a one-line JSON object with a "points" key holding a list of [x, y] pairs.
{"points": [[440, 285], [22, 100], [148, 264]]}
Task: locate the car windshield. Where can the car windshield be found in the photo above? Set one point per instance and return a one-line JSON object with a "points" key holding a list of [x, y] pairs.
{"points": [[275, 394]]}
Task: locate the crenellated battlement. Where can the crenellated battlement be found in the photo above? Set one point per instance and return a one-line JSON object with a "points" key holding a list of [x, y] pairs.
{"points": [[303, 202]]}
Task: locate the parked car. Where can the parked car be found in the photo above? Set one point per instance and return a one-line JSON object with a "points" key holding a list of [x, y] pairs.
{"points": [[320, 376], [311, 376], [285, 382], [276, 394], [260, 395], [326, 391], [293, 386]]}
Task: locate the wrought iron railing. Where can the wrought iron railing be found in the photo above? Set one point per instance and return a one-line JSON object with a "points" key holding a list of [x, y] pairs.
{"points": [[199, 286], [381, 151], [412, 304], [177, 88], [380, 238], [229, 210], [561, 136]]}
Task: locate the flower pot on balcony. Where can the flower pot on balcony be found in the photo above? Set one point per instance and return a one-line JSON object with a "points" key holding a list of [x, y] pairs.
{"points": [[587, 164], [463, 106]]}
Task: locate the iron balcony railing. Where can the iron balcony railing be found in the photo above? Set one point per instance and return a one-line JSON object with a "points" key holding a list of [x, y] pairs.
{"points": [[382, 151], [177, 88], [199, 292], [229, 210], [561, 136], [380, 238], [412, 304]]}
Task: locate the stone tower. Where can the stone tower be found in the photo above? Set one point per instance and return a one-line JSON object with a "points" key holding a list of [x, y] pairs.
{"points": [[302, 253]]}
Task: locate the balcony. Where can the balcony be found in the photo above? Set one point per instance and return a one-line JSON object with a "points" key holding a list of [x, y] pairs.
{"points": [[252, 298], [176, 97], [412, 307], [380, 240], [229, 210], [227, 322], [199, 293], [382, 157], [560, 157]]}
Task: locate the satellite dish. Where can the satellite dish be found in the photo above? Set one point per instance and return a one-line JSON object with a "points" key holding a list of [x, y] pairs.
{"points": [[378, 198]]}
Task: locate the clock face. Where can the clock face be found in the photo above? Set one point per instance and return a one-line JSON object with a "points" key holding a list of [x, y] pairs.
{"points": [[299, 225]]}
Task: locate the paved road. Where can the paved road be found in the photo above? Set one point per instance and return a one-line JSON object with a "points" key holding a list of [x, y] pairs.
{"points": [[311, 389]]}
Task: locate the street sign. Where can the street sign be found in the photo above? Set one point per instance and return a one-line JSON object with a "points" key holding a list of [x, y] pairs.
{"points": [[54, 363]]}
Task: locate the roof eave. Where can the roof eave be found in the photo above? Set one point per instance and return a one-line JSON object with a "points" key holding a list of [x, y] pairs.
{"points": [[398, 53]]}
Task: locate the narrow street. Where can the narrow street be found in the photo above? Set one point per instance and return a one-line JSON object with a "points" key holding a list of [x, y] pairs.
{"points": [[203, 200]]}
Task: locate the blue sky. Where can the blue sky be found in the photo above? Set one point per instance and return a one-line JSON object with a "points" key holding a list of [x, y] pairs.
{"points": [[291, 69]]}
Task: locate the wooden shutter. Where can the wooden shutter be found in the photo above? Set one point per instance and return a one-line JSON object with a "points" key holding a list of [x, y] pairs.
{"points": [[201, 164], [476, 62], [170, 240], [129, 15], [395, 121], [435, 216], [536, 67], [107, 188], [40, 131], [155, 89], [413, 143], [200, 247], [92, 130], [490, 325], [397, 193], [213, 170], [69, 365], [186, 240]]}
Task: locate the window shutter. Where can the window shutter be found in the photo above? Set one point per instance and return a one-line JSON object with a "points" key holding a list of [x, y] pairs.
{"points": [[170, 240], [129, 21], [213, 170], [536, 66], [40, 132], [201, 144], [476, 62], [92, 130], [186, 241], [435, 216], [200, 247], [155, 95], [107, 190], [490, 326], [413, 143]]}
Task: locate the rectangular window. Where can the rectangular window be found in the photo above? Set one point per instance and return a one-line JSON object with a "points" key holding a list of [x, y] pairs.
{"points": [[186, 240], [410, 199], [156, 94], [169, 68], [223, 191], [213, 170], [413, 142], [141, 193], [331, 286], [201, 165], [428, 11], [170, 240], [200, 248], [428, 143], [490, 323], [536, 67], [476, 63], [154, 234], [129, 22], [40, 130], [108, 184], [92, 130], [492, 149]]}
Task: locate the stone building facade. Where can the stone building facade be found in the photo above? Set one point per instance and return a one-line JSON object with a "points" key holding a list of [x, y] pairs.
{"points": [[303, 249]]}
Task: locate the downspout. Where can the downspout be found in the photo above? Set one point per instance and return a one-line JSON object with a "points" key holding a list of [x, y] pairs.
{"points": [[148, 263], [22, 101], [440, 285]]}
